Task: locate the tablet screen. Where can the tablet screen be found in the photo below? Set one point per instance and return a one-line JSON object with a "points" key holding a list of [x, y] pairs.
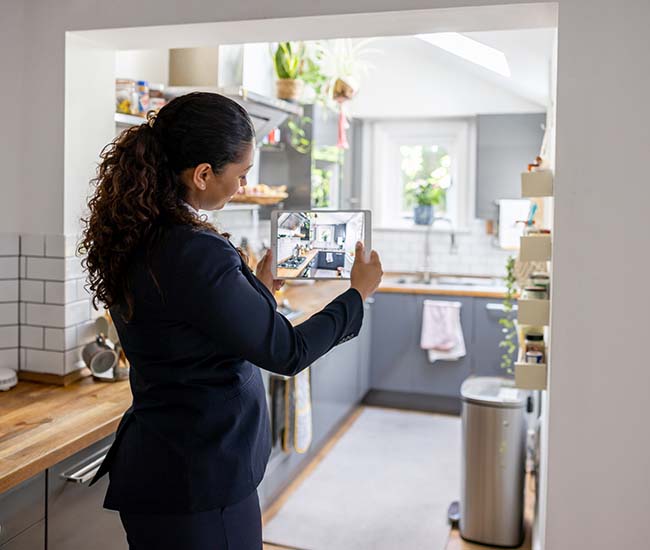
{"points": [[317, 244]]}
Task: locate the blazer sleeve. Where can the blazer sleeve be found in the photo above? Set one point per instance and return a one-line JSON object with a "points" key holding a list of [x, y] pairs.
{"points": [[217, 298]]}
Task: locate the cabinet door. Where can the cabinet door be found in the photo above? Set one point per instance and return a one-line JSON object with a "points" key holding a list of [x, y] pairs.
{"points": [[21, 507], [365, 349], [30, 539], [442, 378], [75, 515], [506, 144], [334, 382], [394, 339], [487, 353]]}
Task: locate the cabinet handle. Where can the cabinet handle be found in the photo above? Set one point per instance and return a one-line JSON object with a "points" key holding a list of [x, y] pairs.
{"points": [[499, 307], [87, 472]]}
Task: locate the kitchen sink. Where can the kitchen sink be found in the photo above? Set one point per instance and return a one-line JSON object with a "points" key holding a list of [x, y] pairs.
{"points": [[446, 280]]}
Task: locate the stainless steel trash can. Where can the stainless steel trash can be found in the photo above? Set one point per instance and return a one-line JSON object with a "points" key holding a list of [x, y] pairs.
{"points": [[494, 460]]}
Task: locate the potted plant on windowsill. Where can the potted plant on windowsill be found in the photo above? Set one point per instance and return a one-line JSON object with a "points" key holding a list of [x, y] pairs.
{"points": [[426, 194], [288, 61]]}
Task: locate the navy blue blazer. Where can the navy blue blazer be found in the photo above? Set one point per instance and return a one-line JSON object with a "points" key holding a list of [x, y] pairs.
{"points": [[197, 435]]}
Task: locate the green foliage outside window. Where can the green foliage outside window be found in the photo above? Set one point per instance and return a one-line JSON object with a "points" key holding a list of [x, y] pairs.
{"points": [[425, 175]]}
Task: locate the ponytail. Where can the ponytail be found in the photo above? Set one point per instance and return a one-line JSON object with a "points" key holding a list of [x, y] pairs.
{"points": [[138, 194]]}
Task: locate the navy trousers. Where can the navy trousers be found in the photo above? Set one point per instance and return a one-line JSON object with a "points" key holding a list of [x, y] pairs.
{"points": [[234, 527]]}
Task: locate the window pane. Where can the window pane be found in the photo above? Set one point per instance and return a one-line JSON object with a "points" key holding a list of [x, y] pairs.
{"points": [[425, 177]]}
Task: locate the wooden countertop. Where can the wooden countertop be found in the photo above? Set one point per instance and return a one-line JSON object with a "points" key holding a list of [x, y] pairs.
{"points": [[292, 273], [497, 293], [42, 424]]}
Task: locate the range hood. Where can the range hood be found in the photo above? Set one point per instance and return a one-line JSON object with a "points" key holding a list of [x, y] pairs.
{"points": [[266, 113]]}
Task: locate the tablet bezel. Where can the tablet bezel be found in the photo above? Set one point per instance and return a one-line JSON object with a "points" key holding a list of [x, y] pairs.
{"points": [[367, 241]]}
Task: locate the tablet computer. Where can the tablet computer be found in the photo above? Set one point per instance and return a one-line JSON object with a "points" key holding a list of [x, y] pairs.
{"points": [[317, 244]]}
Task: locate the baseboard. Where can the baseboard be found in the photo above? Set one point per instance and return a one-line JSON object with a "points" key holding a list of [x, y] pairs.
{"points": [[413, 401]]}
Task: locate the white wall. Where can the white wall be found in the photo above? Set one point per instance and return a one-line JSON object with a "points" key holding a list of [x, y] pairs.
{"points": [[599, 442], [150, 65], [410, 78]]}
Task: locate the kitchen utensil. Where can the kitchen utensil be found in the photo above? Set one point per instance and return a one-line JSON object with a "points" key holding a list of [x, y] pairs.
{"points": [[8, 378], [103, 363], [93, 348]]}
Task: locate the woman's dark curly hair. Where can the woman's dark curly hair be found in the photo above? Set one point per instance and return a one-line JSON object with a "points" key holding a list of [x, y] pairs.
{"points": [[138, 192]]}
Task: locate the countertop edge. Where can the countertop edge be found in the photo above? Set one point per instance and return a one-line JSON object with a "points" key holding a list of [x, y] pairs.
{"points": [[25, 472]]}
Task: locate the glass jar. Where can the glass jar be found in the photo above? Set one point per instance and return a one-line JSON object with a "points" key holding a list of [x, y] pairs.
{"points": [[534, 293], [126, 96], [534, 341]]}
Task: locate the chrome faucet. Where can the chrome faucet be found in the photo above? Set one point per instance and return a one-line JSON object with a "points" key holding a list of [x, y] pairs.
{"points": [[425, 274]]}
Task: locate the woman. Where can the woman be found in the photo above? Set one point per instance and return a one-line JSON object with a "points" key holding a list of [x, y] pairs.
{"points": [[195, 324]]}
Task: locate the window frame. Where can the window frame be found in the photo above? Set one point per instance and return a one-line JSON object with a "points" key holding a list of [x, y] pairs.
{"points": [[456, 135]]}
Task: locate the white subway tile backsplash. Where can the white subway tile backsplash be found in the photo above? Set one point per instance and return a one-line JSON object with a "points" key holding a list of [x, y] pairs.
{"points": [[82, 292], [9, 337], [47, 315], [60, 292], [73, 360], [9, 244], [55, 246], [8, 267], [53, 269], [94, 313], [86, 332], [9, 314], [31, 337], [23, 267], [23, 312], [73, 268], [32, 291], [60, 339], [32, 245], [37, 360], [9, 290], [77, 312], [9, 358]]}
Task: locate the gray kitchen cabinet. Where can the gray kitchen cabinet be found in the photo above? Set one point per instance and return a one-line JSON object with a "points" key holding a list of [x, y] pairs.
{"points": [[365, 350], [339, 380], [488, 334], [33, 538], [506, 145], [75, 514], [22, 507], [442, 378], [394, 337]]}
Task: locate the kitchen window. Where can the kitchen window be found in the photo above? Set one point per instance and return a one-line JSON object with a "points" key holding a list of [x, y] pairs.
{"points": [[407, 154]]}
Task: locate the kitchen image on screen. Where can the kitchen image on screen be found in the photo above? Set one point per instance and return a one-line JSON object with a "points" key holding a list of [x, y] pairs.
{"points": [[317, 244]]}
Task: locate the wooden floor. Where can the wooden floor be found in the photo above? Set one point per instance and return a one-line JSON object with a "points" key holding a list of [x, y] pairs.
{"points": [[455, 541]]}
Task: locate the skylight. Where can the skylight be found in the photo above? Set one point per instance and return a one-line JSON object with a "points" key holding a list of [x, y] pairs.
{"points": [[471, 50]]}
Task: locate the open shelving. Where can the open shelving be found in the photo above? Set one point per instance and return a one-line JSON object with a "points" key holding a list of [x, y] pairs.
{"points": [[534, 312]]}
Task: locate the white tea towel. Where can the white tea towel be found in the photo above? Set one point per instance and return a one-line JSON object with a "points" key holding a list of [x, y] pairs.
{"points": [[329, 258], [442, 332]]}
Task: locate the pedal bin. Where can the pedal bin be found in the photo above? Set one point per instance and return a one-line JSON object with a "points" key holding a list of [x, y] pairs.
{"points": [[494, 461]]}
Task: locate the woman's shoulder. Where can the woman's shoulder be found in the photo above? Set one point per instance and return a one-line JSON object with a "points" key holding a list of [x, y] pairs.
{"points": [[187, 242]]}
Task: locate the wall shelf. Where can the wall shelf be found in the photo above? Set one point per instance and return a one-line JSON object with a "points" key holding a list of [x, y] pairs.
{"points": [[533, 312], [531, 376], [537, 184], [536, 248], [122, 119]]}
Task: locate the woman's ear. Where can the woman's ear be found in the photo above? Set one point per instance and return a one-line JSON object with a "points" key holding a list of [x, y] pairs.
{"points": [[201, 175]]}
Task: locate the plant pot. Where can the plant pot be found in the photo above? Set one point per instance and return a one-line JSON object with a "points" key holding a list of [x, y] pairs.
{"points": [[289, 88], [423, 214]]}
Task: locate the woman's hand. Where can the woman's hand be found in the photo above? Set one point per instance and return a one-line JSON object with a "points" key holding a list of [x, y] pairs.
{"points": [[365, 276], [263, 272]]}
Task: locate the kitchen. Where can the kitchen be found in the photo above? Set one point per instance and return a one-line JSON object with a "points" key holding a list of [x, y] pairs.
{"points": [[458, 251]]}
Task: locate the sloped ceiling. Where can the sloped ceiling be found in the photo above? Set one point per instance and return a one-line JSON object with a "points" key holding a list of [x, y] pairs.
{"points": [[411, 78]]}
